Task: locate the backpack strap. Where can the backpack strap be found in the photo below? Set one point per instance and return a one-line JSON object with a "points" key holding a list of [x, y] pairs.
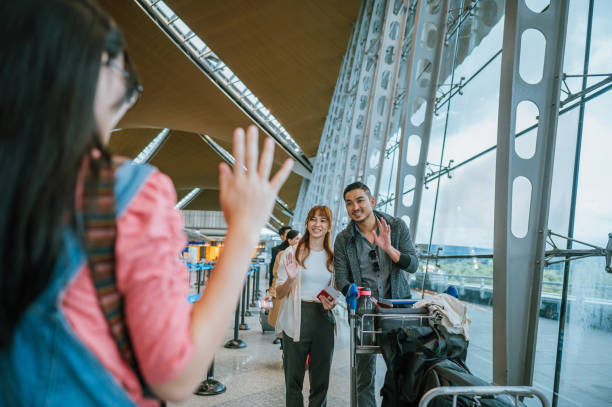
{"points": [[100, 232]]}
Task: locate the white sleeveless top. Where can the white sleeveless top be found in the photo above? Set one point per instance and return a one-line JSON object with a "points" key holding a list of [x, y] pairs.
{"points": [[290, 313], [314, 275]]}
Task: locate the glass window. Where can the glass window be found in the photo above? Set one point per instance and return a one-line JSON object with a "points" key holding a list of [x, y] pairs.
{"points": [[600, 61], [464, 226], [593, 213], [472, 124], [480, 55], [428, 198], [558, 221], [573, 62]]}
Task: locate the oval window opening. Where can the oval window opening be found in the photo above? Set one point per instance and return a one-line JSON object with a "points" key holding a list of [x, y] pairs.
{"points": [[526, 116], [521, 203], [371, 182], [406, 219], [380, 105], [424, 70], [533, 50], [429, 37], [418, 111], [537, 6], [374, 159], [409, 183], [414, 150], [353, 162]]}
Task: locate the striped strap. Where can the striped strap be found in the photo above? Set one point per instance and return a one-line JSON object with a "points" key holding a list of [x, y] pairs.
{"points": [[100, 232]]}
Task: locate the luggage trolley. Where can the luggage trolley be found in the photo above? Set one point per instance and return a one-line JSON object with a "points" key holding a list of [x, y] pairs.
{"points": [[483, 391], [397, 317], [392, 318]]}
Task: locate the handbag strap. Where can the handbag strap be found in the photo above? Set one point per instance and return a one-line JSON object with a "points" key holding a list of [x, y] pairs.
{"points": [[100, 232]]}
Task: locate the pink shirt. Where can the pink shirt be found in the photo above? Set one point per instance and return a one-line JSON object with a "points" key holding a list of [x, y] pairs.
{"points": [[154, 285]]}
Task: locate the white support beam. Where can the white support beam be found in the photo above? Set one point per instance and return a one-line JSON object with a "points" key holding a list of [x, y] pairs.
{"points": [[364, 66], [383, 93], [335, 132], [188, 198], [393, 123], [343, 118], [417, 113], [523, 183], [152, 148], [298, 215], [316, 184]]}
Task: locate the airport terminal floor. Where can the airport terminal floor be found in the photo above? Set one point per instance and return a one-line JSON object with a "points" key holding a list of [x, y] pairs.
{"points": [[254, 375]]}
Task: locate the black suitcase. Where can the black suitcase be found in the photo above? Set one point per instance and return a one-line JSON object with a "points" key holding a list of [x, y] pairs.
{"points": [[263, 319], [388, 321]]}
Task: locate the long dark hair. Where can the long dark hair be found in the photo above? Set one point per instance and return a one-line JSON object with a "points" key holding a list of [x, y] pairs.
{"points": [[51, 56], [303, 247]]}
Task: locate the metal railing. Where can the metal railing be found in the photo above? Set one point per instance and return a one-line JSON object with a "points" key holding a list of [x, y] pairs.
{"points": [[482, 282], [484, 392]]}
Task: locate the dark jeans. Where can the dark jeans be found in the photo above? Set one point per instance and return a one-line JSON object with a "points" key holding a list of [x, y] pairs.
{"points": [[316, 340], [366, 372]]}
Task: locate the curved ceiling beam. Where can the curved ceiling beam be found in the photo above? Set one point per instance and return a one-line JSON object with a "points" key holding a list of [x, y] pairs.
{"points": [[207, 61]]}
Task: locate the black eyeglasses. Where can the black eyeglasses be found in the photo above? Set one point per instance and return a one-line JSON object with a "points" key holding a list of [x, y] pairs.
{"points": [[133, 87], [374, 259]]}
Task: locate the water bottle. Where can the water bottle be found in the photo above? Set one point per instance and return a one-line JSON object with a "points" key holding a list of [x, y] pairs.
{"points": [[365, 305]]}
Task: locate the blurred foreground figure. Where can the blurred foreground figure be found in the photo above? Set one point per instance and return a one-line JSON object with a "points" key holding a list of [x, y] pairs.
{"points": [[93, 306]]}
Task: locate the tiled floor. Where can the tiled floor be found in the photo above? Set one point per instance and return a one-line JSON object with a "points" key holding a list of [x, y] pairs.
{"points": [[254, 376]]}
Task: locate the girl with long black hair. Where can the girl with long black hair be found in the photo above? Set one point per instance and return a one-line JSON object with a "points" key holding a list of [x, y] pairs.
{"points": [[93, 304]]}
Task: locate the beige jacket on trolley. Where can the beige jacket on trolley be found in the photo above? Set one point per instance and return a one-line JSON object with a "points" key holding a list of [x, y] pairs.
{"points": [[290, 313]]}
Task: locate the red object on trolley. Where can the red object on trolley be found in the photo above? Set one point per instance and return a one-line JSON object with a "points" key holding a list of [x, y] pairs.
{"points": [[363, 291]]}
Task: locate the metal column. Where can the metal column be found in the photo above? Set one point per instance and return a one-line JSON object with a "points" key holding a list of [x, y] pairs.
{"points": [[424, 65], [523, 183], [333, 120], [344, 122], [316, 184], [363, 68], [345, 102], [298, 216], [326, 181], [383, 93]]}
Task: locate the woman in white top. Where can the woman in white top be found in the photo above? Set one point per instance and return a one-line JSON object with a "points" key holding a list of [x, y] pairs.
{"points": [[306, 320]]}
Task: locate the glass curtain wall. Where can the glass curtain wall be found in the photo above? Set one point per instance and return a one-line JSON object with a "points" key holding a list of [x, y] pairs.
{"points": [[457, 205], [583, 368]]}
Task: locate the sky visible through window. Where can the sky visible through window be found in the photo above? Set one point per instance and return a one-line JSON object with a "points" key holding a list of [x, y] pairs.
{"points": [[466, 201]]}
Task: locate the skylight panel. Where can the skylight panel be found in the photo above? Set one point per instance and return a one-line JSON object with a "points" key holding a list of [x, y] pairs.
{"points": [[165, 10], [221, 74], [188, 198], [197, 44]]}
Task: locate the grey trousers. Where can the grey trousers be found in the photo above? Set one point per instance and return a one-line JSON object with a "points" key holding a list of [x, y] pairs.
{"points": [[366, 372], [316, 340]]}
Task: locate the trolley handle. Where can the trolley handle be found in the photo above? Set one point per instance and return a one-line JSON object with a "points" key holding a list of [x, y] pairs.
{"points": [[456, 391], [361, 331], [397, 301]]}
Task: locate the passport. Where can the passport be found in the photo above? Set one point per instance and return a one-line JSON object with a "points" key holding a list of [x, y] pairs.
{"points": [[330, 293]]}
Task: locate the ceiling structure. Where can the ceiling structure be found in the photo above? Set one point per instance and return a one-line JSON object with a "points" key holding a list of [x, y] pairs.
{"points": [[288, 53]]}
